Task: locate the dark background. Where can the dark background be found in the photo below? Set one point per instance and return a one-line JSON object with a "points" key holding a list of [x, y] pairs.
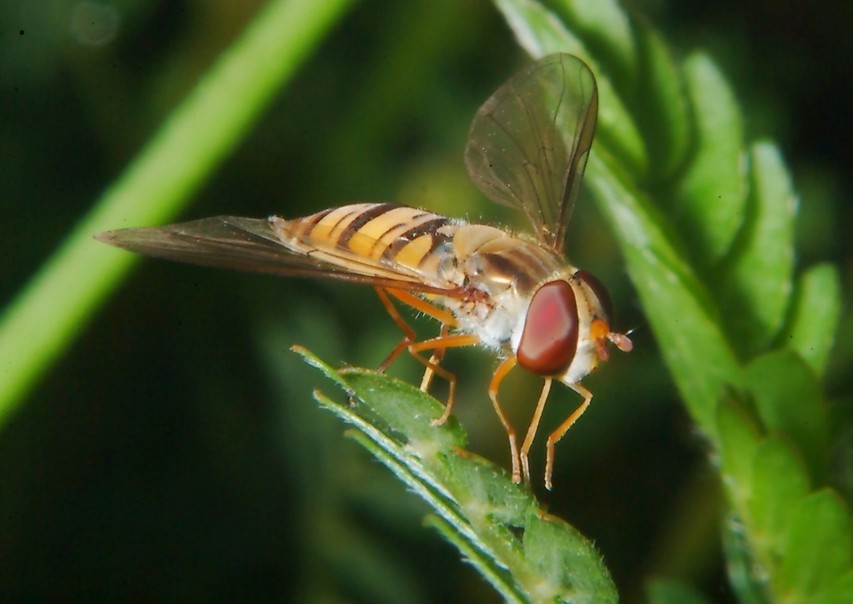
{"points": [[174, 453]]}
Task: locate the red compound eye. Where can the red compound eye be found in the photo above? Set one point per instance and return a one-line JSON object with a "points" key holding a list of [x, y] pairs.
{"points": [[550, 336]]}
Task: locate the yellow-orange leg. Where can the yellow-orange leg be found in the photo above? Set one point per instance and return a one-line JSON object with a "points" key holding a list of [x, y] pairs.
{"points": [[531, 430], [447, 320], [557, 434], [500, 373], [434, 359], [409, 335], [444, 316], [442, 343], [438, 344]]}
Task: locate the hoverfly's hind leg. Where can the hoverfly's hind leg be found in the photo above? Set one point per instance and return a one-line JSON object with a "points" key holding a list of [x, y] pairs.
{"points": [[557, 434], [500, 373], [438, 345], [531, 430], [434, 360], [409, 335]]}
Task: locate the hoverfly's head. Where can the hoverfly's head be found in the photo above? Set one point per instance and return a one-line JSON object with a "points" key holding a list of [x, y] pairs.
{"points": [[567, 328], [601, 306]]}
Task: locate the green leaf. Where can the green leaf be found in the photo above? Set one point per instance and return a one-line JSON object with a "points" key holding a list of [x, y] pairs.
{"points": [[789, 401], [409, 417], [540, 32], [774, 516], [659, 104], [477, 507], [494, 576], [694, 348], [607, 28], [739, 439], [711, 197], [564, 568], [749, 579], [763, 427], [757, 279], [393, 454], [819, 548], [470, 478], [814, 321], [779, 485]]}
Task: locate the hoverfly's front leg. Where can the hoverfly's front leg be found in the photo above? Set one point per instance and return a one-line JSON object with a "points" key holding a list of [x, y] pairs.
{"points": [[557, 434], [500, 373]]}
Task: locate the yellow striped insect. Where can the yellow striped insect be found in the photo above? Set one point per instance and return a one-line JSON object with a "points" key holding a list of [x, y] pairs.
{"points": [[515, 295]]}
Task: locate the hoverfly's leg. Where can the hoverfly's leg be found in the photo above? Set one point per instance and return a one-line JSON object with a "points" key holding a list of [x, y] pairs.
{"points": [[447, 320], [439, 314], [442, 343], [500, 373], [438, 345], [409, 334], [434, 359], [557, 434], [531, 430]]}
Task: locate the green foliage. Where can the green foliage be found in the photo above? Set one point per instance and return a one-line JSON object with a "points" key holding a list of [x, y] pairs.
{"points": [[717, 290], [527, 555], [155, 187], [705, 221], [710, 194], [716, 278], [815, 311]]}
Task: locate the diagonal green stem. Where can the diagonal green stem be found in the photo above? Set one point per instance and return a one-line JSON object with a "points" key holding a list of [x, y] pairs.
{"points": [[43, 320]]}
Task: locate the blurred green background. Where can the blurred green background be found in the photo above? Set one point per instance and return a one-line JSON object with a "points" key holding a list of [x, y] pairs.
{"points": [[174, 452]]}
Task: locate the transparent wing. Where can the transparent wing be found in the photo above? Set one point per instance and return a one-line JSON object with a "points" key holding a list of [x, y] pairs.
{"points": [[251, 244], [529, 142]]}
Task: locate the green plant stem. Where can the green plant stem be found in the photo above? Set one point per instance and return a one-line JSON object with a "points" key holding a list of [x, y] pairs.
{"points": [[43, 320]]}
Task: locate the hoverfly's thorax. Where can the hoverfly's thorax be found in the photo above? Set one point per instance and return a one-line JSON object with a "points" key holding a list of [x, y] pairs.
{"points": [[497, 262], [470, 238]]}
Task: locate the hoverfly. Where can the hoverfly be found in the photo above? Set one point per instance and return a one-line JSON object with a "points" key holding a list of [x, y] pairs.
{"points": [[515, 295]]}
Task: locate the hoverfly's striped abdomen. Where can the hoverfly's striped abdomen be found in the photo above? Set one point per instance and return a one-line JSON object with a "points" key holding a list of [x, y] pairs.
{"points": [[370, 236]]}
